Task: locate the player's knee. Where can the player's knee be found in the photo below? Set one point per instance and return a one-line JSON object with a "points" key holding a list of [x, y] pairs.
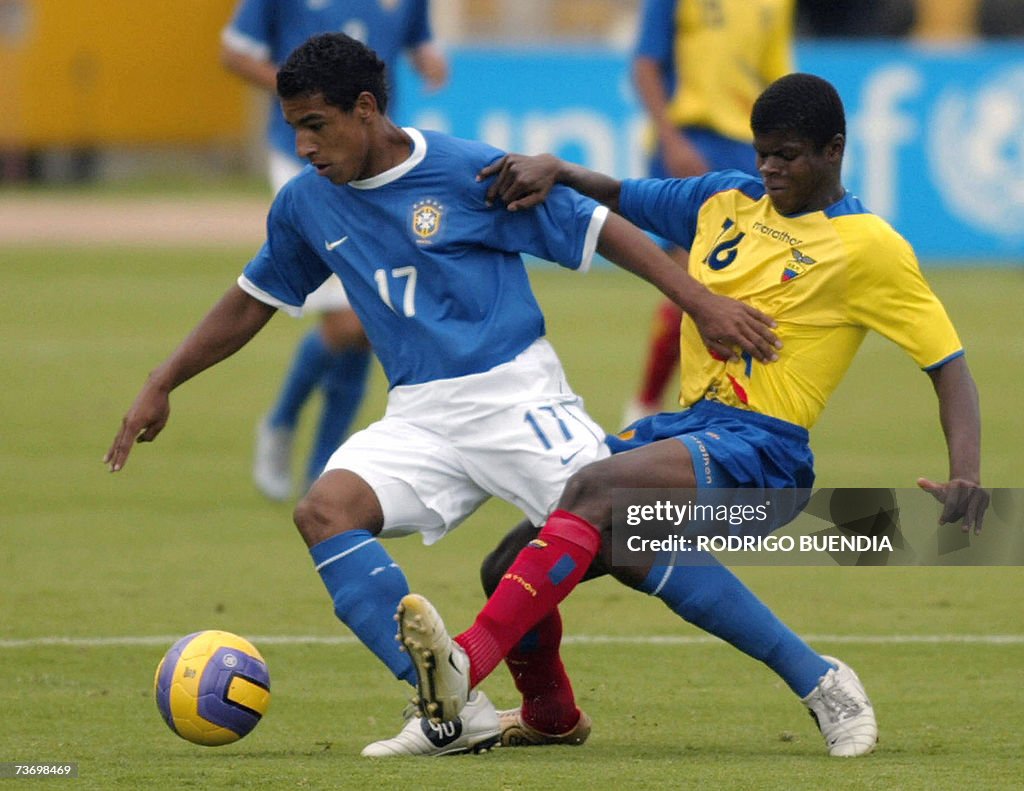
{"points": [[338, 501], [318, 518], [312, 519], [588, 494]]}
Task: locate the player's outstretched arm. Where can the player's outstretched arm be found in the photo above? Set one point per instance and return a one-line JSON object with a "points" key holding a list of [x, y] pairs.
{"points": [[522, 182], [681, 157], [257, 71], [724, 323], [228, 326], [962, 497], [430, 63]]}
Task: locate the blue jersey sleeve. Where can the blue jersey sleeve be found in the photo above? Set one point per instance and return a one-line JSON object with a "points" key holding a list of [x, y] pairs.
{"points": [[656, 36], [419, 25], [254, 19], [285, 269], [669, 207], [564, 229]]}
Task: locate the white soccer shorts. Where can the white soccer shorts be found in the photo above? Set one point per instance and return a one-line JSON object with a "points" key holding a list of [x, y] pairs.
{"points": [[330, 296], [517, 432]]}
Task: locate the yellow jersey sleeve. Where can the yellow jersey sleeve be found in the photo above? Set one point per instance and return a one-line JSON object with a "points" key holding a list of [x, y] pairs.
{"points": [[888, 294]]}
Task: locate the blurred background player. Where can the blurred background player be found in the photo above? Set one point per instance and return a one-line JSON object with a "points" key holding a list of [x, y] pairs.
{"points": [[698, 66], [334, 356]]}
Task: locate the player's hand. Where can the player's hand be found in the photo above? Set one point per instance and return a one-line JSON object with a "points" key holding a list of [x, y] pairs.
{"points": [[521, 181], [961, 499], [146, 418], [726, 324]]}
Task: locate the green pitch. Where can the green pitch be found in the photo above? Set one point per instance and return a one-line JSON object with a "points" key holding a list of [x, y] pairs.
{"points": [[99, 573]]}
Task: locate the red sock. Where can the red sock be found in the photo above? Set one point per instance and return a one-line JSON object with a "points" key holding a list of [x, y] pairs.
{"points": [[662, 352], [538, 672], [543, 573]]}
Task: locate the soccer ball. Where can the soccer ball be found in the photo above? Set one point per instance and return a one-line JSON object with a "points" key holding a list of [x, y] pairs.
{"points": [[212, 687]]}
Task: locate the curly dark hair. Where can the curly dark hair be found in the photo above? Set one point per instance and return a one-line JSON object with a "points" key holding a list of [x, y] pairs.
{"points": [[336, 66], [800, 103]]}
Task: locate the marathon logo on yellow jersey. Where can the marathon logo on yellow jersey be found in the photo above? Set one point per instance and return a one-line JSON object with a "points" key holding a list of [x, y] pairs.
{"points": [[775, 233], [426, 219], [797, 266]]}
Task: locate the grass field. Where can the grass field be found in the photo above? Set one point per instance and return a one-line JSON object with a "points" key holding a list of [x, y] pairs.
{"points": [[99, 573]]}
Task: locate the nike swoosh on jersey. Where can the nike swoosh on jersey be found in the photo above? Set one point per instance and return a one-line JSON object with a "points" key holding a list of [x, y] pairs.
{"points": [[331, 245], [566, 459]]}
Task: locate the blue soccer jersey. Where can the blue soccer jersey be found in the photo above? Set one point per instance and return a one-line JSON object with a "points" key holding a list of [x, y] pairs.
{"points": [[272, 29], [433, 272]]}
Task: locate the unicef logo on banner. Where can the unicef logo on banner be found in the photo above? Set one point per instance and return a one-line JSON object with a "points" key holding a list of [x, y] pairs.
{"points": [[976, 150]]}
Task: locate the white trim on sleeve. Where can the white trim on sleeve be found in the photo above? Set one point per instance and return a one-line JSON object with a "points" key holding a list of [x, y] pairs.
{"points": [[597, 220], [244, 45], [254, 291]]}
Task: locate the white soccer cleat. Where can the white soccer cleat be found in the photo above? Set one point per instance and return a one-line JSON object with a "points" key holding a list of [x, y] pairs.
{"points": [[476, 730], [442, 666], [272, 462], [843, 712]]}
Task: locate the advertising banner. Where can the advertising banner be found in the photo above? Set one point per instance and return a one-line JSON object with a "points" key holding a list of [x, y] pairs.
{"points": [[935, 135]]}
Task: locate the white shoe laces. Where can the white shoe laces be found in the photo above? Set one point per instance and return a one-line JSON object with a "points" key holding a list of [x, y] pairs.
{"points": [[839, 703]]}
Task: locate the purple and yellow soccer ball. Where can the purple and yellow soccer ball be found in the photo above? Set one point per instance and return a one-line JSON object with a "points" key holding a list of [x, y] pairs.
{"points": [[212, 687]]}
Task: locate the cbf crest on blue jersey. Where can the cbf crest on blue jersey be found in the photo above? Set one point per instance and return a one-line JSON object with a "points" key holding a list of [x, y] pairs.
{"points": [[426, 219], [435, 274], [797, 266]]}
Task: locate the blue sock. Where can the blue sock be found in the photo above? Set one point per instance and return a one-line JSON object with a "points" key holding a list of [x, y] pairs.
{"points": [[344, 383], [366, 585], [308, 366], [713, 598]]}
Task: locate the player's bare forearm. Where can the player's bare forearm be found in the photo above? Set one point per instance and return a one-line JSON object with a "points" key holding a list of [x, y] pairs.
{"points": [[962, 496], [650, 87], [680, 157], [960, 415], [261, 73], [522, 182], [649, 81], [226, 328], [431, 64], [229, 325], [724, 323], [604, 189]]}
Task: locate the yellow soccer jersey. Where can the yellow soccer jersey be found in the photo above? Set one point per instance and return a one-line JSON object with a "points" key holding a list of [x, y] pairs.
{"points": [[826, 277], [719, 56]]}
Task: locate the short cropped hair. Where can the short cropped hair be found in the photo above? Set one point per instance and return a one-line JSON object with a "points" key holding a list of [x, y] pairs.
{"points": [[801, 103], [336, 66]]}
